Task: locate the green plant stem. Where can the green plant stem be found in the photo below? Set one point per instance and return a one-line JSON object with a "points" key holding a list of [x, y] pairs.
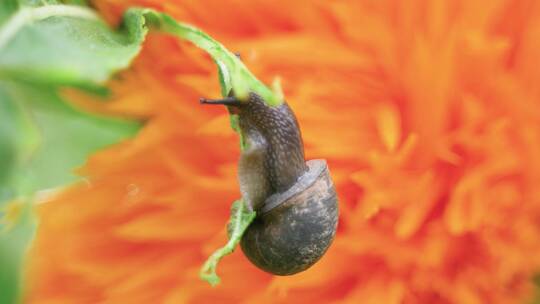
{"points": [[233, 73]]}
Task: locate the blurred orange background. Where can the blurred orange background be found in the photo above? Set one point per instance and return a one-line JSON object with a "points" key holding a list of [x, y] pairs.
{"points": [[428, 113]]}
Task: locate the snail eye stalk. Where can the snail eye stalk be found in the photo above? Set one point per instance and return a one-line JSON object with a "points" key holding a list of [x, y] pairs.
{"points": [[227, 101]]}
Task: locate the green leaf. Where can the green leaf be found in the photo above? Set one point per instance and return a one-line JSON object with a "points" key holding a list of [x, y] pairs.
{"points": [[58, 136], [44, 45], [66, 44], [42, 139], [240, 219]]}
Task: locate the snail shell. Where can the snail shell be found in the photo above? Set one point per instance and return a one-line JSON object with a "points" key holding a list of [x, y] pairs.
{"points": [[294, 228]]}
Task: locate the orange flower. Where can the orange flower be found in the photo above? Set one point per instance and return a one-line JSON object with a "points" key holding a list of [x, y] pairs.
{"points": [[428, 113]]}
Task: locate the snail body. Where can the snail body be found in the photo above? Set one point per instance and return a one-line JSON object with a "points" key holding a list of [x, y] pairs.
{"points": [[295, 200]]}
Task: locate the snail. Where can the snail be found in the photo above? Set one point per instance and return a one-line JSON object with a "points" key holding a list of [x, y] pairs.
{"points": [[295, 200]]}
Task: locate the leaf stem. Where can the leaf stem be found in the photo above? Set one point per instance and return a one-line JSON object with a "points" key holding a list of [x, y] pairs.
{"points": [[233, 73], [28, 15], [240, 220]]}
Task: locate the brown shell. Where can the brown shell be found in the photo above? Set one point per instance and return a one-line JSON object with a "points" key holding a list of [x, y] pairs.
{"points": [[295, 228]]}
